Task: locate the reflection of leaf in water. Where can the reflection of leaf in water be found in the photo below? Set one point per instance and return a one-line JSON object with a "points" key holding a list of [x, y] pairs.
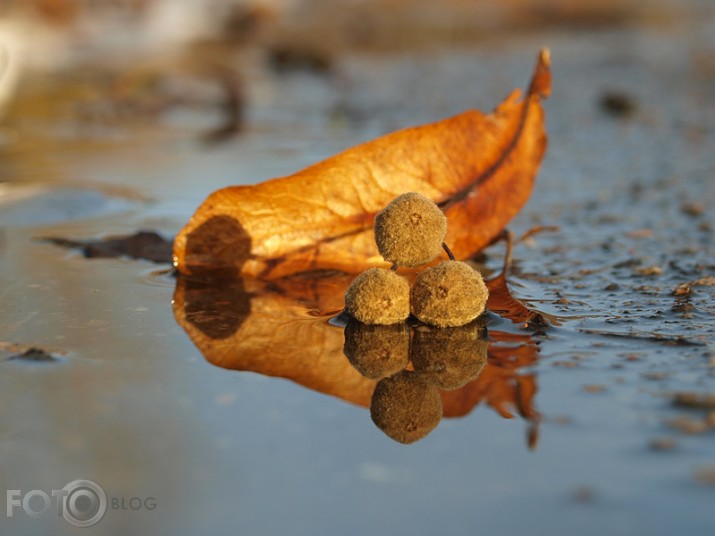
{"points": [[281, 329], [500, 384], [272, 333], [503, 303], [479, 168], [217, 317]]}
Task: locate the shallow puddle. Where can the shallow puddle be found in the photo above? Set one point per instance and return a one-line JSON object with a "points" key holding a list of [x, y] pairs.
{"points": [[172, 395]]}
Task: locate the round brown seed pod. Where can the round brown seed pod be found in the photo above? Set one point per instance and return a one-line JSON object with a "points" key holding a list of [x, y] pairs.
{"points": [[410, 230], [405, 407], [378, 296], [377, 351], [449, 357], [449, 294]]}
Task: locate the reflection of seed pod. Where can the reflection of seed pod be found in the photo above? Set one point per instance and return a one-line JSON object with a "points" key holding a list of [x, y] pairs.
{"points": [[449, 357], [410, 230], [405, 407], [449, 294], [378, 296], [377, 351]]}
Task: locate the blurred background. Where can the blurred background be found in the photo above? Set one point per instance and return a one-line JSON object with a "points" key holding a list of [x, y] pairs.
{"points": [[100, 72], [108, 63]]}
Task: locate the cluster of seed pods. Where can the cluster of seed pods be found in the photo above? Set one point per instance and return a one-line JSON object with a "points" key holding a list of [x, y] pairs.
{"points": [[410, 232]]}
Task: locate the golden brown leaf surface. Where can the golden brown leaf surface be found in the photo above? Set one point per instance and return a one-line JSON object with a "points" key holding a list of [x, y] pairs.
{"points": [[480, 168]]}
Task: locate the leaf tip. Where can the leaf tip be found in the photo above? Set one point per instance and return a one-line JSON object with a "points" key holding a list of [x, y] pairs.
{"points": [[541, 79], [545, 57]]}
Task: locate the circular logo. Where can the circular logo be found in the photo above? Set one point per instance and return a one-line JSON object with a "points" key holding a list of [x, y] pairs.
{"points": [[84, 504]]}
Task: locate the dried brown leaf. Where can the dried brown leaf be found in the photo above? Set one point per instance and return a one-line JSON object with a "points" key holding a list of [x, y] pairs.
{"points": [[479, 168]]}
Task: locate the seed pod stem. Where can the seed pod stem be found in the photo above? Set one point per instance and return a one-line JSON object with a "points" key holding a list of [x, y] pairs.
{"points": [[449, 251]]}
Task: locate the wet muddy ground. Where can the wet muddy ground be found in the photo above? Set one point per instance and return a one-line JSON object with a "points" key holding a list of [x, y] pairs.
{"points": [[100, 378]]}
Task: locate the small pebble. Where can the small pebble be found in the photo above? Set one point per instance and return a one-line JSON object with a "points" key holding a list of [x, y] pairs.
{"points": [[705, 475], [640, 233], [593, 388], [650, 271], [682, 289], [662, 443], [710, 419], [583, 494], [655, 375], [689, 399], [688, 425], [693, 208], [565, 364]]}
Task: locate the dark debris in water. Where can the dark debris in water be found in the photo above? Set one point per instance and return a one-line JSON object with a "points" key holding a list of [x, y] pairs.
{"points": [[34, 355], [663, 444], [700, 418], [287, 58], [146, 245], [689, 399], [593, 388], [617, 104], [583, 494]]}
